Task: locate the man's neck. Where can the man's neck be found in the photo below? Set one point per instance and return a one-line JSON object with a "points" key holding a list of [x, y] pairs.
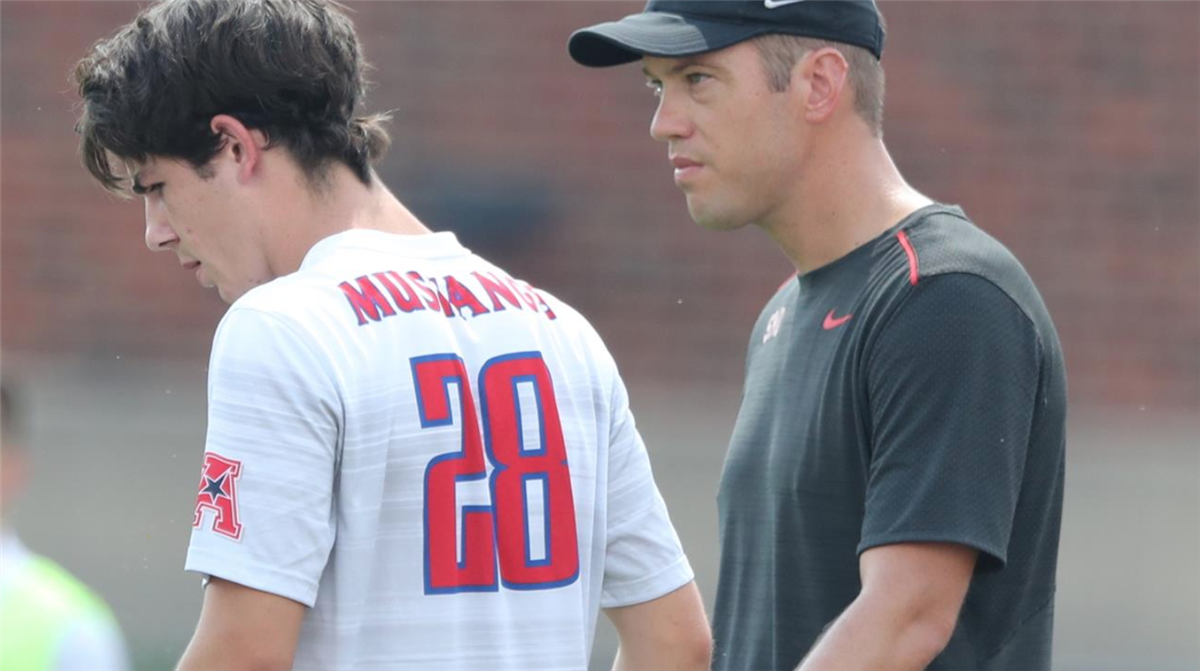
{"points": [[343, 204], [848, 199]]}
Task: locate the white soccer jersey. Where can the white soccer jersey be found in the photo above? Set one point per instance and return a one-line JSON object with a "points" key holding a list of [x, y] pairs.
{"points": [[436, 458]]}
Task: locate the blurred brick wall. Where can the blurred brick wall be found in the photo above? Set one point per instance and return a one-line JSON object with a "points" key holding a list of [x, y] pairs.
{"points": [[1069, 130]]}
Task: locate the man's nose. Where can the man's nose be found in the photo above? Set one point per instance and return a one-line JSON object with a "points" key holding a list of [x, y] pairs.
{"points": [[159, 234], [669, 121]]}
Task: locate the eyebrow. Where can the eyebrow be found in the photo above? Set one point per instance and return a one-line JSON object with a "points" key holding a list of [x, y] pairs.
{"points": [[681, 65]]}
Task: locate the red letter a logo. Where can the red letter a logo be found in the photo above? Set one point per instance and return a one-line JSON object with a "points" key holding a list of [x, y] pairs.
{"points": [[218, 492]]}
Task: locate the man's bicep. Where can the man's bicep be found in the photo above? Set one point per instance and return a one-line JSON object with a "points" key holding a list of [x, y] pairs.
{"points": [[681, 608], [241, 627], [669, 632], [937, 574]]}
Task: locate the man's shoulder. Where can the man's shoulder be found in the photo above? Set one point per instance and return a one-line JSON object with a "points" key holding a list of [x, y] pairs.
{"points": [[940, 241], [943, 255], [944, 240]]}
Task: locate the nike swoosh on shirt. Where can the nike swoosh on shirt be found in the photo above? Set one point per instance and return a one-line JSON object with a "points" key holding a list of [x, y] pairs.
{"points": [[775, 4], [832, 323]]}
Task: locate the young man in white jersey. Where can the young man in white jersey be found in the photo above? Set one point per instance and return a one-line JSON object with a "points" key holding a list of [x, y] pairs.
{"points": [[413, 460]]}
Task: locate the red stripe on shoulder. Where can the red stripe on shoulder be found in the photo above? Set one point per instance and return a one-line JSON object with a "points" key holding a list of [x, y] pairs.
{"points": [[785, 282], [913, 266]]}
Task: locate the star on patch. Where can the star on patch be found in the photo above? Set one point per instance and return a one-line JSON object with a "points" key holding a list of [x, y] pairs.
{"points": [[215, 488]]}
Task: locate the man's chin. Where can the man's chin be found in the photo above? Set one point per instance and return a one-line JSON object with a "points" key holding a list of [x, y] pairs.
{"points": [[712, 220], [228, 295]]}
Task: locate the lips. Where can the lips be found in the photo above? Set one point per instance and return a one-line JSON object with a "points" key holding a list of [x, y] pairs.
{"points": [[193, 264], [685, 168]]}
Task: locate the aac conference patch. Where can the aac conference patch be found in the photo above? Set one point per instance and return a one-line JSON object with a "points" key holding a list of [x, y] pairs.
{"points": [[218, 493]]}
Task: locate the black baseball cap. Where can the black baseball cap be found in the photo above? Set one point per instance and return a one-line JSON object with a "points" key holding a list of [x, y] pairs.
{"points": [[673, 28]]}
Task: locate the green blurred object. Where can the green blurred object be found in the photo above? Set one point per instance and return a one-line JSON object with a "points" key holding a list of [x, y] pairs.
{"points": [[40, 603]]}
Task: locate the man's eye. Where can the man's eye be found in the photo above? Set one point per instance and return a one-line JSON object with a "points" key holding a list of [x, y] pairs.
{"points": [[656, 88], [144, 190], [696, 77]]}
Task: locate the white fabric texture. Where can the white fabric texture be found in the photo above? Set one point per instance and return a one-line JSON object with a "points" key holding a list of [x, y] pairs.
{"points": [[314, 388]]}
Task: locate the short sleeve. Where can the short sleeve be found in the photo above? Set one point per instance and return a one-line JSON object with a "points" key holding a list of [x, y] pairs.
{"points": [[952, 381], [643, 558], [264, 515]]}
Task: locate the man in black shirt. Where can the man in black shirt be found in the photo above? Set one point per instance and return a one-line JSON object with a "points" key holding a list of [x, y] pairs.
{"points": [[892, 495]]}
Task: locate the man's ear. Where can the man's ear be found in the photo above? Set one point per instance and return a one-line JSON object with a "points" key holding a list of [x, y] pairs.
{"points": [[243, 145], [825, 71]]}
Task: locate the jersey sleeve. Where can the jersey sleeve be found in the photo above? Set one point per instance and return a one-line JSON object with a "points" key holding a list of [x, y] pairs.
{"points": [[264, 516], [952, 381], [644, 558]]}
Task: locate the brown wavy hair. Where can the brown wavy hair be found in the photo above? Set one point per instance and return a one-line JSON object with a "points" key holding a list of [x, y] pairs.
{"points": [[289, 68]]}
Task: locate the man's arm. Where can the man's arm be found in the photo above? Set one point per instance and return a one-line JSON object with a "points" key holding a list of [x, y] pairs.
{"points": [[243, 629], [906, 612], [669, 633]]}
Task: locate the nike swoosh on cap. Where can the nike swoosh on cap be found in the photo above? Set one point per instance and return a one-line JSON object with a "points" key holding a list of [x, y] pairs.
{"points": [[775, 4]]}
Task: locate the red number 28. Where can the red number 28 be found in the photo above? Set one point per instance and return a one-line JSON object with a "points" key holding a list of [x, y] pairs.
{"points": [[462, 548]]}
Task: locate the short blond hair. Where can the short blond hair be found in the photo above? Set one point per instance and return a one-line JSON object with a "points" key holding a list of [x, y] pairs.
{"points": [[780, 53]]}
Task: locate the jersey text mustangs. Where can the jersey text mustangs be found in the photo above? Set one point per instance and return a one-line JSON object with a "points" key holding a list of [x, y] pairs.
{"points": [[384, 294]]}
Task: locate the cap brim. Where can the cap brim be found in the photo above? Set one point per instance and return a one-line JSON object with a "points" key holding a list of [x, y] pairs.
{"points": [[652, 34]]}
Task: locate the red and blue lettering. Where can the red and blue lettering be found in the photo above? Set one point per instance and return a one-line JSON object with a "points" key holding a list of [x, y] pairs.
{"points": [[495, 290], [444, 572], [366, 300], [434, 297], [516, 467], [461, 297], [400, 290], [498, 535]]}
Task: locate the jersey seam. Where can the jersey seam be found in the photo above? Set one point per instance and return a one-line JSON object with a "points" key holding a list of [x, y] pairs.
{"points": [[925, 220], [937, 209]]}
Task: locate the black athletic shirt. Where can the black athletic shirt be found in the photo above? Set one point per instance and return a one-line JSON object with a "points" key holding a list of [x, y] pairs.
{"points": [[912, 390]]}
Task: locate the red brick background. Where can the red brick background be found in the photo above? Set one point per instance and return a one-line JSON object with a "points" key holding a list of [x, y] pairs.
{"points": [[1069, 130]]}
